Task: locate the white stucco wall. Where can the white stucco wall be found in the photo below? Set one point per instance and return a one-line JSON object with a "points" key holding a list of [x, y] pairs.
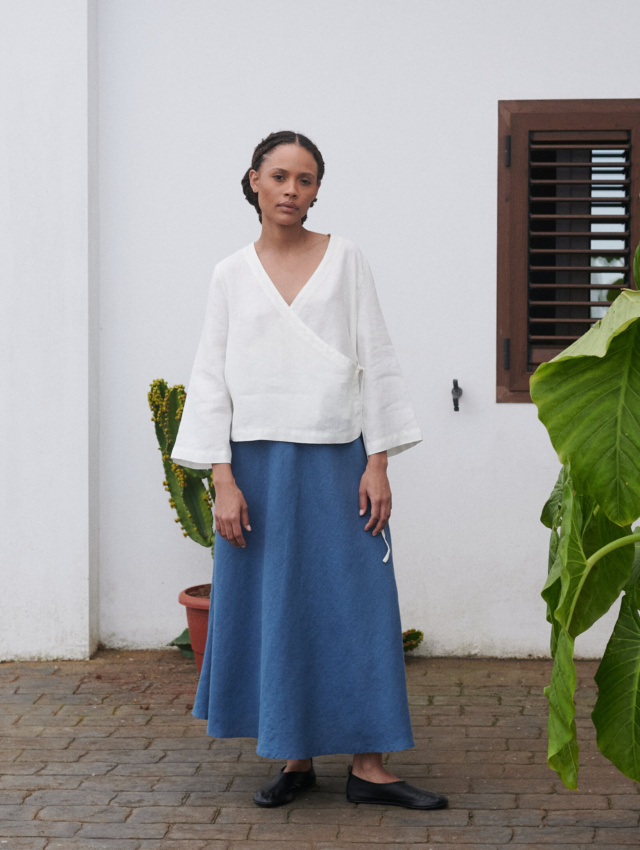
{"points": [[402, 100], [48, 305]]}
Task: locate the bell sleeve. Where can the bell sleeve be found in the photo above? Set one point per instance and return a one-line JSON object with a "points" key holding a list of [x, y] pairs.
{"points": [[388, 417], [205, 426]]}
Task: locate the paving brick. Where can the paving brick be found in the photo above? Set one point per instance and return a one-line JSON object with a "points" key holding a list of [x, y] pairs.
{"points": [[122, 830], [34, 828], [246, 768], [553, 836], [385, 834], [397, 816], [76, 768], [12, 798], [28, 743], [173, 814], [234, 799], [620, 837], [596, 819], [321, 845], [212, 831], [85, 814], [35, 783], [157, 770], [36, 756], [195, 844], [12, 767], [277, 845], [151, 798], [477, 770], [19, 812], [138, 757], [509, 817], [561, 801], [522, 785], [255, 814], [484, 801], [94, 844], [8, 731], [293, 832], [469, 835], [118, 783], [23, 843]]}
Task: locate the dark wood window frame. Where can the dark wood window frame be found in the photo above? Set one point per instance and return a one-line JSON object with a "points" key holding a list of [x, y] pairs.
{"points": [[525, 126]]}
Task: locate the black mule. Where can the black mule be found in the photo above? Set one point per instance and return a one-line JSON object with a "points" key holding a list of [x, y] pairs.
{"points": [[283, 788], [396, 793]]}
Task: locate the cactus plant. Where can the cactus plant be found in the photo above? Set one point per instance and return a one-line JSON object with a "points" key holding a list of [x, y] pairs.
{"points": [[411, 639], [191, 490]]}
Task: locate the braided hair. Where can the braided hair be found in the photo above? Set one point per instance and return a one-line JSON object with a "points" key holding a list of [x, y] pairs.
{"points": [[282, 137]]}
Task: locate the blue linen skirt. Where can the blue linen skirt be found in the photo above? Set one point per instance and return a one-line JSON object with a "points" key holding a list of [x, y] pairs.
{"points": [[304, 650]]}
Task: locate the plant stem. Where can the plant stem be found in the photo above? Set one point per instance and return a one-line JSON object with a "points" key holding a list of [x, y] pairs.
{"points": [[610, 547]]}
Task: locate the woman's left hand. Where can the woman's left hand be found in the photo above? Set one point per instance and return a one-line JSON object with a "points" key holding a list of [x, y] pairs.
{"points": [[375, 488]]}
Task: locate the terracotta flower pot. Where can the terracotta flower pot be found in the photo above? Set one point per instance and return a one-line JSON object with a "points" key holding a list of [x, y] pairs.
{"points": [[196, 599]]}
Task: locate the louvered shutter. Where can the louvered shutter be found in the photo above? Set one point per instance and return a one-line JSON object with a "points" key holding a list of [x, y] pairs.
{"points": [[567, 226]]}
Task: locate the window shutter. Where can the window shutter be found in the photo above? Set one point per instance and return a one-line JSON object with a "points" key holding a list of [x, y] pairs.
{"points": [[578, 234], [568, 222]]}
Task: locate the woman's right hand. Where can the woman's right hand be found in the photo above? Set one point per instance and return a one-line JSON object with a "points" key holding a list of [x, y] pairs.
{"points": [[231, 513]]}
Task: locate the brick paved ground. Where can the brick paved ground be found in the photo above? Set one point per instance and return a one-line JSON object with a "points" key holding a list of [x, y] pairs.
{"points": [[105, 755]]}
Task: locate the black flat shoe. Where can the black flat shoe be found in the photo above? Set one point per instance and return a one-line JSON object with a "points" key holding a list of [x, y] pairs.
{"points": [[397, 793], [283, 788]]}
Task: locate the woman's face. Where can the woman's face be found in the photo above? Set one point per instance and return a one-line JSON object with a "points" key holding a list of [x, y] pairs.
{"points": [[286, 183]]}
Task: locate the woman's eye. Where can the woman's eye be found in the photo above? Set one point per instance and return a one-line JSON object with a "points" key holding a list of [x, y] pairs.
{"points": [[307, 182], [278, 177]]}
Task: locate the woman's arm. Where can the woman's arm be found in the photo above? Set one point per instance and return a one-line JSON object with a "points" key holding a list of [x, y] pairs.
{"points": [[205, 426], [231, 513], [375, 488], [388, 419]]}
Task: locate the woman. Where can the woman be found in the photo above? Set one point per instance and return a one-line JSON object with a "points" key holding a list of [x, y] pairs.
{"points": [[296, 399]]}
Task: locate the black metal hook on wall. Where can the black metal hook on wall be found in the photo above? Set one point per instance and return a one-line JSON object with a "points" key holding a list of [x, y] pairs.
{"points": [[456, 392]]}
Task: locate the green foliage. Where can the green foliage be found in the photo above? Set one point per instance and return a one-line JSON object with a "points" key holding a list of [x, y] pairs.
{"points": [[183, 642], [191, 490], [563, 743], [588, 398], [617, 712], [411, 639]]}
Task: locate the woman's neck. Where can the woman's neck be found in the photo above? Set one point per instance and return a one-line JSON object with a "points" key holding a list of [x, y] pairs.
{"points": [[275, 237]]}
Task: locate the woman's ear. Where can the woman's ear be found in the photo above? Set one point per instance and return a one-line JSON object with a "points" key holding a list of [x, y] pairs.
{"points": [[253, 180]]}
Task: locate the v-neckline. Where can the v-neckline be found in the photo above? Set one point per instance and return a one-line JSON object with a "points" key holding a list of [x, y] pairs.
{"points": [[306, 287]]}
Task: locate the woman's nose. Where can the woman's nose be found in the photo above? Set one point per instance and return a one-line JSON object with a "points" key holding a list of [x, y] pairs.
{"points": [[290, 189]]}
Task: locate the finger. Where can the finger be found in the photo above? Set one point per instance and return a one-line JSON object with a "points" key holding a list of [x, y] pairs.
{"points": [[224, 531], [373, 519], [362, 500], [237, 534], [244, 514], [382, 522]]}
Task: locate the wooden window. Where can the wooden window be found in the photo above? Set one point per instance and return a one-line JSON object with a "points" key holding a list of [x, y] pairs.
{"points": [[568, 224]]}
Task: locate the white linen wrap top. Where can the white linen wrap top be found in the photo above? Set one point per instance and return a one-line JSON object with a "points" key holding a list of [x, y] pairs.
{"points": [[321, 370]]}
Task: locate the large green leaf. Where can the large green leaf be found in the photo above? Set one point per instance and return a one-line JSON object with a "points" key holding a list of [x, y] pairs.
{"points": [[590, 405], [617, 711], [553, 586], [562, 755], [632, 588], [589, 592], [551, 512]]}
